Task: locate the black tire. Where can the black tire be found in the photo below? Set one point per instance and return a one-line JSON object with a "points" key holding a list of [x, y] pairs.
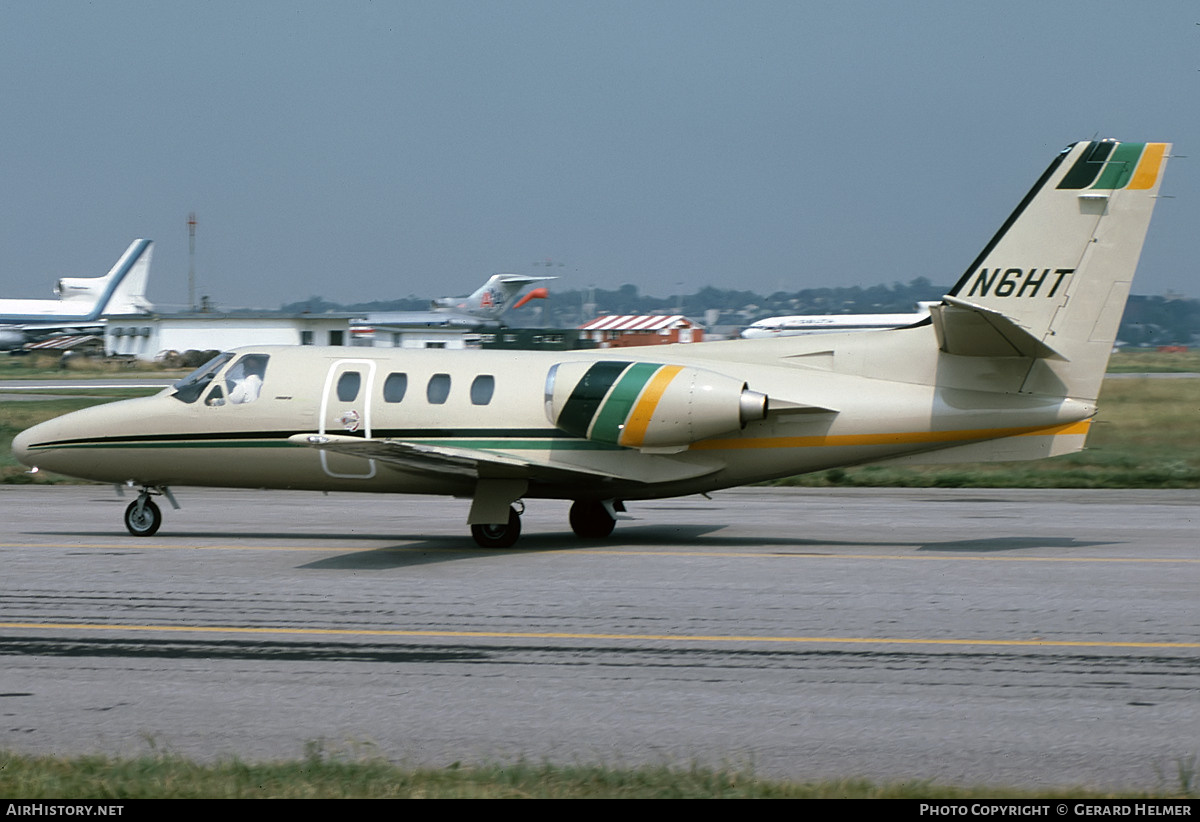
{"points": [[502, 535], [590, 519], [147, 523]]}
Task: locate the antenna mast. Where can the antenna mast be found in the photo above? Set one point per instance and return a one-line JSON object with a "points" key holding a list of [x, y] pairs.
{"points": [[191, 261]]}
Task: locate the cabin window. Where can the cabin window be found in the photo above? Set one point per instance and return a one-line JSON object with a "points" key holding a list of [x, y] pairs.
{"points": [[348, 385], [245, 378], [394, 387], [482, 388], [438, 389], [192, 386]]}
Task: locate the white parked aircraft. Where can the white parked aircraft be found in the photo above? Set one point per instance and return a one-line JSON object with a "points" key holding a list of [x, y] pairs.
{"points": [[1007, 367], [795, 324], [82, 301]]}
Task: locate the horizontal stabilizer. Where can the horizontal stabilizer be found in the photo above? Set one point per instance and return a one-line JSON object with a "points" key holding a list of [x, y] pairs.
{"points": [[971, 330]]}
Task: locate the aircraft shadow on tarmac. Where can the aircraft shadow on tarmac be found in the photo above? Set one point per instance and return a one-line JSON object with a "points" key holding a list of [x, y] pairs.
{"points": [[421, 549], [427, 550]]}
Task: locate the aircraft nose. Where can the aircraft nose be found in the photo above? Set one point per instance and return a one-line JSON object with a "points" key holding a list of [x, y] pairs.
{"points": [[21, 444], [25, 445]]}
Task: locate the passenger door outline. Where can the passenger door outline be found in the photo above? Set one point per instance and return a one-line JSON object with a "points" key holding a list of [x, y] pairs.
{"points": [[336, 465]]}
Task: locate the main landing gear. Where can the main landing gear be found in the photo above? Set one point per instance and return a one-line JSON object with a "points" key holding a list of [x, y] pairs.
{"points": [[590, 519], [142, 517], [500, 535]]}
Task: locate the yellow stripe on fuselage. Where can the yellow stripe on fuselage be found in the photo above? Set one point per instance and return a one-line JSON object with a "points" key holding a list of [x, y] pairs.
{"points": [[635, 427], [900, 438]]}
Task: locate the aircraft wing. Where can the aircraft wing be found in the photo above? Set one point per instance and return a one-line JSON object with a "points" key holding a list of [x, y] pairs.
{"points": [[483, 463]]}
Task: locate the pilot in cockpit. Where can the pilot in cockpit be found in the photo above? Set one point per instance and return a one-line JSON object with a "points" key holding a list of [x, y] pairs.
{"points": [[245, 378]]}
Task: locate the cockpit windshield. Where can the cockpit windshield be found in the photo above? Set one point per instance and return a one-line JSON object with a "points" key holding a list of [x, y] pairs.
{"points": [[192, 386]]}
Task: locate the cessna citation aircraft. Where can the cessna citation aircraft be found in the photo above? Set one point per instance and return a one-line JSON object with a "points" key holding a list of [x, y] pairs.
{"points": [[1008, 366]]}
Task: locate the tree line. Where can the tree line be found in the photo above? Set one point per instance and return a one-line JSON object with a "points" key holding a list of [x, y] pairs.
{"points": [[1148, 320]]}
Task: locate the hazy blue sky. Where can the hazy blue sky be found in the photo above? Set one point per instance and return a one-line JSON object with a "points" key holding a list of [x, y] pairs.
{"points": [[359, 150]]}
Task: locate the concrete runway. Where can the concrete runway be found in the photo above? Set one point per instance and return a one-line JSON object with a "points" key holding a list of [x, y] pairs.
{"points": [[1030, 637]]}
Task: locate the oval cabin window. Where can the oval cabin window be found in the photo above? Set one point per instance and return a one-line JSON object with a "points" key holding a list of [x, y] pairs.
{"points": [[438, 389]]}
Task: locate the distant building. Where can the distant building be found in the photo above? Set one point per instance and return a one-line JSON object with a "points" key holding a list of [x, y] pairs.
{"points": [[534, 339], [153, 336], [621, 331], [418, 335], [413, 335]]}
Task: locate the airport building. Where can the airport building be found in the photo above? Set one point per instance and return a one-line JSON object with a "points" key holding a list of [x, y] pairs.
{"points": [[622, 331], [413, 335], [156, 336], [418, 335], [153, 336]]}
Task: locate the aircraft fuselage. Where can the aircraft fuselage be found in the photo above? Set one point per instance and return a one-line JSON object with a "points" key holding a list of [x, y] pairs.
{"points": [[212, 441]]}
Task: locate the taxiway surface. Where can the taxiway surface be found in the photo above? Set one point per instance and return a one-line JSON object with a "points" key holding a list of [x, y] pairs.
{"points": [[1002, 637]]}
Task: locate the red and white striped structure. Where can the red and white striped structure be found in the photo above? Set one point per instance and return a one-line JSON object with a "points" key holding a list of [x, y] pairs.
{"points": [[619, 331]]}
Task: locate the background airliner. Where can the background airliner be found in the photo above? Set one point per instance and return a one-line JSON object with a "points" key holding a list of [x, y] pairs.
{"points": [[821, 323], [483, 307], [82, 301]]}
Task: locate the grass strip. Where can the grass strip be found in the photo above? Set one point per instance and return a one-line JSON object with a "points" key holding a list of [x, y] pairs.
{"points": [[320, 775]]}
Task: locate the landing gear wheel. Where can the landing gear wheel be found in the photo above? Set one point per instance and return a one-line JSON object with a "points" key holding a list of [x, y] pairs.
{"points": [[590, 519], [502, 535], [145, 522]]}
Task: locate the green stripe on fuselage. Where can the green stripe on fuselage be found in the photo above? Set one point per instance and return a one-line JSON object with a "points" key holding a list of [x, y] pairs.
{"points": [[175, 443], [497, 442], [585, 399], [611, 419]]}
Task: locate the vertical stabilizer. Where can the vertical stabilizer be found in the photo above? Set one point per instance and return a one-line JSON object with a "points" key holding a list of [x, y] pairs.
{"points": [[1052, 284], [491, 299], [121, 291], [127, 294]]}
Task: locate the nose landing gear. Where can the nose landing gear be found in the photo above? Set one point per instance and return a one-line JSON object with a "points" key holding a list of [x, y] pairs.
{"points": [[142, 516]]}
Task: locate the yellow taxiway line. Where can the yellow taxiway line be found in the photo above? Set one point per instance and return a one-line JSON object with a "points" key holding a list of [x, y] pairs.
{"points": [[799, 640]]}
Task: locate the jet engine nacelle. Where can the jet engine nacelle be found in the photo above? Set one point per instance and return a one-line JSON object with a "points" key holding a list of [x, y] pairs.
{"points": [[648, 405], [79, 288]]}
